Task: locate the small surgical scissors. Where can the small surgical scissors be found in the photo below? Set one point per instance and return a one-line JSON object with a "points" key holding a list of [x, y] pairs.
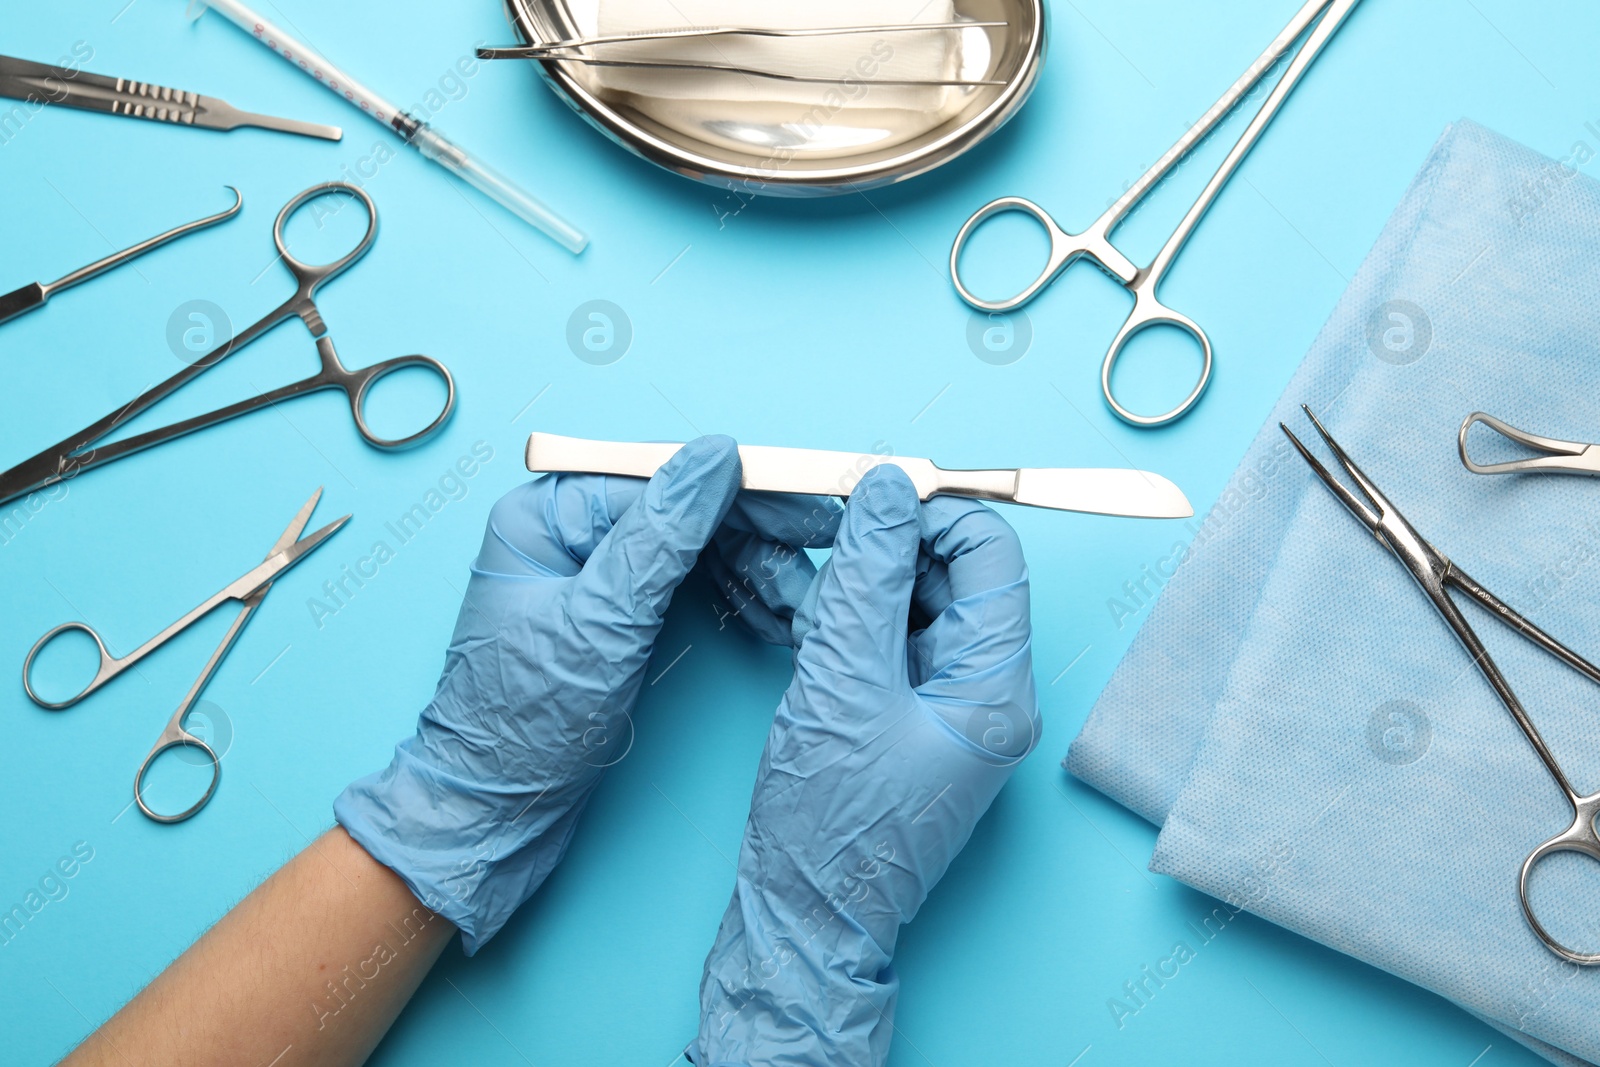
{"points": [[1095, 242], [1564, 457], [78, 453], [1437, 575], [249, 589]]}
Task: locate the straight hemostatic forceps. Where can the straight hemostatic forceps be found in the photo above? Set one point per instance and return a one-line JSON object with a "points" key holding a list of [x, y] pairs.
{"points": [[78, 453], [1095, 242], [249, 589], [1437, 575]]}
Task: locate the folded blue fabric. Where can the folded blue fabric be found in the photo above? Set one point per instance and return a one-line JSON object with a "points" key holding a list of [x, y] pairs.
{"points": [[1310, 735]]}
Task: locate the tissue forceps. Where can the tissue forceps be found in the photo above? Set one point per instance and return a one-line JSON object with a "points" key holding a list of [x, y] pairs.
{"points": [[78, 453], [1568, 457], [1095, 244], [570, 50], [249, 589], [551, 49], [1437, 575]]}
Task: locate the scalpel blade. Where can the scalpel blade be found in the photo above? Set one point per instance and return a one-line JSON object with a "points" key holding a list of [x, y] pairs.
{"points": [[1103, 491]]}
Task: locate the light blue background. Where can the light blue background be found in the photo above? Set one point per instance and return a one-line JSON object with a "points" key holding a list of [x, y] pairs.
{"points": [[825, 324]]}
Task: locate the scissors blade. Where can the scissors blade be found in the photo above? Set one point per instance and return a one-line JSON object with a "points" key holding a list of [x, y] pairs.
{"points": [[290, 535], [265, 572], [307, 544], [285, 543], [251, 588]]}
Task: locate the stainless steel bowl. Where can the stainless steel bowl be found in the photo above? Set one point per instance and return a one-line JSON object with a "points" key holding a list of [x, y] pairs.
{"points": [[752, 146]]}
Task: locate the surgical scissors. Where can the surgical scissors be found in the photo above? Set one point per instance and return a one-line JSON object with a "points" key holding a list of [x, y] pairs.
{"points": [[249, 589], [1565, 457], [1437, 575], [78, 453], [1095, 242]]}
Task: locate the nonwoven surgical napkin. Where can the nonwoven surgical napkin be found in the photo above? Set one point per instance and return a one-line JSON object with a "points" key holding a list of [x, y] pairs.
{"points": [[1294, 694]]}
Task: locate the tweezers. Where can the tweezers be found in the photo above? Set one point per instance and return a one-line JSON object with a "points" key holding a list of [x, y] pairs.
{"points": [[23, 79], [565, 50]]}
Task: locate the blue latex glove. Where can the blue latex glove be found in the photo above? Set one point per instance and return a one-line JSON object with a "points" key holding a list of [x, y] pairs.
{"points": [[757, 563], [549, 653], [884, 754]]}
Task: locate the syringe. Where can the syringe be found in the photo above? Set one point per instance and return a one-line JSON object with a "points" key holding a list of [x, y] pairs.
{"points": [[414, 131]]}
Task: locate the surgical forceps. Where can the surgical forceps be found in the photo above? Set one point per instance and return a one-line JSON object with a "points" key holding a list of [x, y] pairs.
{"points": [[249, 589], [1437, 575], [1567, 457], [78, 453], [571, 49], [1095, 242]]}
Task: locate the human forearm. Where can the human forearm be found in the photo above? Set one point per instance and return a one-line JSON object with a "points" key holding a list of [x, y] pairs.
{"points": [[556, 630], [311, 968]]}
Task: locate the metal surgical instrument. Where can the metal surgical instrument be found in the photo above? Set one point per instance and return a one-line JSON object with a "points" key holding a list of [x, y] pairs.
{"points": [[34, 294], [570, 49], [748, 137], [1323, 18], [1437, 575], [1098, 491], [249, 589], [548, 49], [1568, 457], [23, 79], [78, 453]]}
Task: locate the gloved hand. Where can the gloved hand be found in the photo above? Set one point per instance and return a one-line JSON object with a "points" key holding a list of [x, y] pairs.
{"points": [[757, 563], [884, 754], [548, 657]]}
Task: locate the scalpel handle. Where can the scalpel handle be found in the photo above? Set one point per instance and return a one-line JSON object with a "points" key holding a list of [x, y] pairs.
{"points": [[978, 484], [766, 468], [550, 453]]}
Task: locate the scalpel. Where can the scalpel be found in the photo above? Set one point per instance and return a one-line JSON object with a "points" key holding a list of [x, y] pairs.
{"points": [[1097, 491]]}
